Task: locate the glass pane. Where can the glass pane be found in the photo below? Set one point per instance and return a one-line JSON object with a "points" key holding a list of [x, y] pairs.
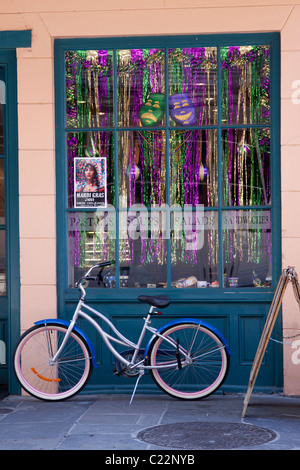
{"points": [[246, 167], [141, 87], [245, 84], [90, 169], [193, 86], [1, 126], [2, 263], [91, 238], [247, 248], [89, 88], [142, 168], [2, 193], [193, 167], [142, 250], [2, 103], [148, 228], [194, 249]]}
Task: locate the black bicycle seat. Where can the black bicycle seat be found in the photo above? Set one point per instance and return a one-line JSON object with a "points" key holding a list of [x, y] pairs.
{"points": [[160, 301]]}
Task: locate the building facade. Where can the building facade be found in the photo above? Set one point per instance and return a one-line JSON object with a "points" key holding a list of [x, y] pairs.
{"points": [[188, 114]]}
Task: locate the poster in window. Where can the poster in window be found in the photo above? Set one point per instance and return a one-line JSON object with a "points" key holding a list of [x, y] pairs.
{"points": [[90, 182]]}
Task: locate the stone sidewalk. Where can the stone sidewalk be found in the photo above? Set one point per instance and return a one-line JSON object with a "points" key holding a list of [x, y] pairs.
{"points": [[152, 422]]}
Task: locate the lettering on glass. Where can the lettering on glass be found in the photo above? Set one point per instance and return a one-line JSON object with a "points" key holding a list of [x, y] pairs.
{"points": [[2, 92]]}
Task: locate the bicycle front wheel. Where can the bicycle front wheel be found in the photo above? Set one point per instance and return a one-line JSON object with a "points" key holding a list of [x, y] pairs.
{"points": [[35, 371], [190, 361]]}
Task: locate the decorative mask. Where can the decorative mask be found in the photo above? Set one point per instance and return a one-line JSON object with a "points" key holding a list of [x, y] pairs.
{"points": [[152, 111], [182, 110]]}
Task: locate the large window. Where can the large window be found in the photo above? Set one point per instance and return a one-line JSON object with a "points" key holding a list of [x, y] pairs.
{"points": [[169, 164]]}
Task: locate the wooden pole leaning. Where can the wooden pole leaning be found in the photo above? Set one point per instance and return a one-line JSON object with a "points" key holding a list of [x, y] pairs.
{"points": [[287, 275]]}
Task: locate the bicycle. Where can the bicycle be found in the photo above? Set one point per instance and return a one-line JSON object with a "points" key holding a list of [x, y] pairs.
{"points": [[187, 358]]}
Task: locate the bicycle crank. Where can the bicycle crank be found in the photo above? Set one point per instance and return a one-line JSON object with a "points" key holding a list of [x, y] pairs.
{"points": [[122, 369]]}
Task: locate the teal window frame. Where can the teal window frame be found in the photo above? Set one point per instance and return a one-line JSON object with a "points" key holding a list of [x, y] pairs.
{"points": [[271, 39], [9, 42]]}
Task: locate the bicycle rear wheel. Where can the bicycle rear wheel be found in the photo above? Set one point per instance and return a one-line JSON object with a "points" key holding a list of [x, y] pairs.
{"points": [[204, 366], [32, 356]]}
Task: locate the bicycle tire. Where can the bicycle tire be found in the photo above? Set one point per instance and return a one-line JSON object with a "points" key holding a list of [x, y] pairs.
{"points": [[208, 367], [51, 382]]}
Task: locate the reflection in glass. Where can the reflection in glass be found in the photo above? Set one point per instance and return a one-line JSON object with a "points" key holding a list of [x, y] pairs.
{"points": [[193, 86], [247, 248], [245, 84], [1, 128], [2, 194], [193, 167], [165, 164], [143, 252], [88, 146], [142, 168], [89, 88], [194, 249], [2, 107], [91, 239], [2, 263], [141, 87], [246, 167]]}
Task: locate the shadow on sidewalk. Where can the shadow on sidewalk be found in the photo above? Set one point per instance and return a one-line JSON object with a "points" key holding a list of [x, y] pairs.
{"points": [[3, 392]]}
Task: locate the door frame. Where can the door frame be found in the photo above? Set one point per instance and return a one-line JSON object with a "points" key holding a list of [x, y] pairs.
{"points": [[9, 42]]}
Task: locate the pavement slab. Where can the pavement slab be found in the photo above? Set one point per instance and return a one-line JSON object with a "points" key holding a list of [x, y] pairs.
{"points": [[152, 423]]}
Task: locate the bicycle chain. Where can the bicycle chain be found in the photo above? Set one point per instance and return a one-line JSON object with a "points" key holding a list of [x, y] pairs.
{"points": [[284, 338]]}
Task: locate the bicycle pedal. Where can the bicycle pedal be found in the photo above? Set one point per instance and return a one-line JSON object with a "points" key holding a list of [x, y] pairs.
{"points": [[116, 372]]}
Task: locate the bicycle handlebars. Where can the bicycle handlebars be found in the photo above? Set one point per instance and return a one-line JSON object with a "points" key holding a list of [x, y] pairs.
{"points": [[94, 278]]}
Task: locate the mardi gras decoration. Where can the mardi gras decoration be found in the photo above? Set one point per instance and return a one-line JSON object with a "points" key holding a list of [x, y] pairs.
{"points": [[189, 157], [182, 110], [202, 172], [90, 152], [133, 171], [153, 110]]}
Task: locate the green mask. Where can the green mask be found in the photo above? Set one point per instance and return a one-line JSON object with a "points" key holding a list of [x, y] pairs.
{"points": [[152, 111]]}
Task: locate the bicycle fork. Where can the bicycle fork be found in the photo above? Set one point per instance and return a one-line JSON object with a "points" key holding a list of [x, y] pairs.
{"points": [[53, 359]]}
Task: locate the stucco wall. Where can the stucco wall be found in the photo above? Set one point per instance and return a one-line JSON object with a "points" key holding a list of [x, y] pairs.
{"points": [[96, 18]]}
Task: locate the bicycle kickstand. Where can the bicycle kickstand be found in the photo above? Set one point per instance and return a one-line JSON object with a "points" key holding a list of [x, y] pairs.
{"points": [[141, 373]]}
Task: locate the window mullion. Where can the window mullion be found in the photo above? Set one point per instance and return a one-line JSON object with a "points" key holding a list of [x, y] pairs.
{"points": [[167, 156], [116, 162], [220, 185]]}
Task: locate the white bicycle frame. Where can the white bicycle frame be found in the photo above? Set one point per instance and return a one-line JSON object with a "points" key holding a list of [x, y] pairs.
{"points": [[120, 339], [133, 364]]}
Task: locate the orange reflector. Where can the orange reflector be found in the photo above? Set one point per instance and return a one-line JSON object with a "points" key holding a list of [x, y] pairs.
{"points": [[43, 378]]}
